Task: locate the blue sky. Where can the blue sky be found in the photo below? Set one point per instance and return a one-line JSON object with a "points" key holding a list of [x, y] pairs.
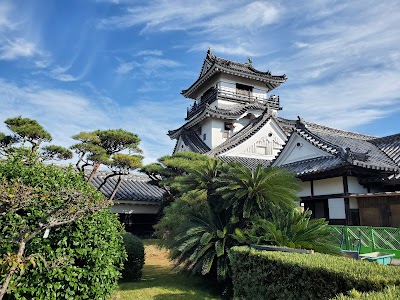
{"points": [[77, 65]]}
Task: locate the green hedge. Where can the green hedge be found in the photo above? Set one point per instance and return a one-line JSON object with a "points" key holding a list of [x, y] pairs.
{"points": [[389, 293], [277, 275], [134, 263]]}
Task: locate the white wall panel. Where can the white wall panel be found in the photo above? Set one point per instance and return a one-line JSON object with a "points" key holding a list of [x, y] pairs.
{"points": [[305, 189], [134, 209], [336, 208], [328, 186], [354, 186]]}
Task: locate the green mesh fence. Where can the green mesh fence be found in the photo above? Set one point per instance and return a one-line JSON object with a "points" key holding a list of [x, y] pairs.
{"points": [[373, 239]]}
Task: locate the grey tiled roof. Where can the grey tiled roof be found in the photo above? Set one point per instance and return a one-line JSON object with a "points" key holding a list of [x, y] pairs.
{"points": [[347, 148], [236, 110], [246, 70], [208, 111], [315, 165], [193, 142], [390, 145], [133, 187], [248, 162]]}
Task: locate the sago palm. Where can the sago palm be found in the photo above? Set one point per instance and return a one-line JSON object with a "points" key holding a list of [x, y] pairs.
{"points": [[251, 192], [202, 244], [295, 229]]}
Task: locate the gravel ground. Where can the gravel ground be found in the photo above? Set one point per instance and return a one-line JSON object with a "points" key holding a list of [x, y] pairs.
{"points": [[395, 261]]}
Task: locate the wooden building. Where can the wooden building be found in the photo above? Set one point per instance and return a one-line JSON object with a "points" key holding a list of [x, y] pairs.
{"points": [[347, 178], [136, 201]]}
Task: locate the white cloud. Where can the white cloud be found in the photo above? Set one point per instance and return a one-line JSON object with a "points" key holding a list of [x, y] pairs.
{"points": [[64, 113], [5, 22], [346, 102], [251, 16], [149, 52], [125, 68], [240, 49], [14, 39], [186, 15], [19, 47], [301, 45], [149, 66]]}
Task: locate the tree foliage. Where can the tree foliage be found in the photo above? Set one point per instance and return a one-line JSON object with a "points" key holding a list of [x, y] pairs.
{"points": [[80, 259], [26, 129], [56, 152], [29, 130], [165, 172], [104, 147]]}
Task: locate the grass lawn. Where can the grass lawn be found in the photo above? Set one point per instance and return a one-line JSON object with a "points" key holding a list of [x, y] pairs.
{"points": [[160, 282]]}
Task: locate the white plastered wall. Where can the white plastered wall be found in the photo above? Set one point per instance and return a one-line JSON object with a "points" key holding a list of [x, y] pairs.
{"points": [[136, 207], [218, 126], [305, 189], [298, 149], [336, 208], [260, 139], [207, 129], [223, 103], [180, 146], [354, 186], [328, 186]]}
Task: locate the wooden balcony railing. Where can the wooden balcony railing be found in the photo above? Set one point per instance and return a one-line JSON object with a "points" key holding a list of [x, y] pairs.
{"points": [[214, 94]]}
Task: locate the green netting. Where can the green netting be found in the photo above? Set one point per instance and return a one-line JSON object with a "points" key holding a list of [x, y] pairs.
{"points": [[387, 238], [372, 238]]}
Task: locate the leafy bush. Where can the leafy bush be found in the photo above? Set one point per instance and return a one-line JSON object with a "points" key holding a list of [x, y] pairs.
{"points": [[278, 275], [81, 260], [134, 264], [389, 293]]}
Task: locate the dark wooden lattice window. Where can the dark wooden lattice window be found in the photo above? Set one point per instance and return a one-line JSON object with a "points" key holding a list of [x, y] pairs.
{"points": [[245, 90]]}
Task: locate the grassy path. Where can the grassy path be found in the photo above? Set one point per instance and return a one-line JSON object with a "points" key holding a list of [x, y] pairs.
{"points": [[160, 282]]}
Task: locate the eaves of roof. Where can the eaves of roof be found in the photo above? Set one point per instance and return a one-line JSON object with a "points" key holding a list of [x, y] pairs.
{"points": [[374, 195], [193, 142], [214, 112], [132, 188], [315, 165], [219, 65]]}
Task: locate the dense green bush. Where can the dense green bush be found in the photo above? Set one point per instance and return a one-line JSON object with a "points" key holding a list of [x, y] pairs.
{"points": [[134, 263], [81, 260], [277, 275], [389, 293]]}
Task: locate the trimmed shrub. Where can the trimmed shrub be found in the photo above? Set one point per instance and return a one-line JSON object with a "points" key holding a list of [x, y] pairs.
{"points": [[277, 275], [81, 260], [389, 293], [134, 263]]}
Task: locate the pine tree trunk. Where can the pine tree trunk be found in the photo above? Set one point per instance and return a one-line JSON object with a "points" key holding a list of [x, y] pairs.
{"points": [[4, 286], [115, 189], [94, 170]]}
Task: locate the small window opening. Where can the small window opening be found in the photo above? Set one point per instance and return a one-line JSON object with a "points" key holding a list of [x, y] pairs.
{"points": [[228, 126], [204, 137], [242, 89]]}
